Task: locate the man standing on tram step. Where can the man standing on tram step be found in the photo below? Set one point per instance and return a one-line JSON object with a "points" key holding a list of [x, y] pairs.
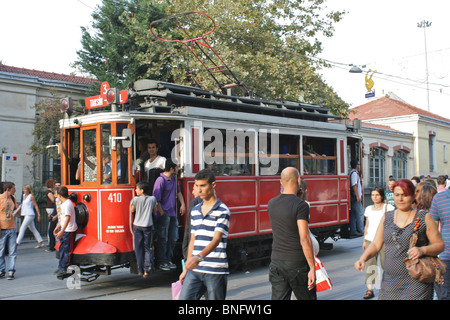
{"points": [[206, 268], [292, 267], [8, 232], [166, 191], [154, 166], [141, 209], [356, 212], [65, 231], [440, 212]]}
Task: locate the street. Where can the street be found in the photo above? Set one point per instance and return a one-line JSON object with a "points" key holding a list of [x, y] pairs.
{"points": [[35, 280]]}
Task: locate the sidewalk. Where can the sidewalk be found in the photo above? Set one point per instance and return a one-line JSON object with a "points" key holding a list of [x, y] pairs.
{"points": [[34, 279]]}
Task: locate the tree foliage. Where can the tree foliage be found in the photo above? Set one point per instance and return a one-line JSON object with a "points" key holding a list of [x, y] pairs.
{"points": [[270, 45], [46, 130]]}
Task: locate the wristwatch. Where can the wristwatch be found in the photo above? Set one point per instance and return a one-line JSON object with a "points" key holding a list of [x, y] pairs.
{"points": [[200, 258]]}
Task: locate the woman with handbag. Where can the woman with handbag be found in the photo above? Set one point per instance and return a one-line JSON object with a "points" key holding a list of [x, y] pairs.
{"points": [[395, 231]]}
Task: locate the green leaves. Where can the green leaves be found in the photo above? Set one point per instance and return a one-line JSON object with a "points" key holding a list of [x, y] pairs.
{"points": [[268, 44]]}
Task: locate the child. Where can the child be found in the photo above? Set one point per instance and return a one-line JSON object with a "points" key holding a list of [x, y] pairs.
{"points": [[141, 208], [66, 231]]}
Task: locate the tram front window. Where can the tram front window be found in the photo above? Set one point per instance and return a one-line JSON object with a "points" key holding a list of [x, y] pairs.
{"points": [[106, 154], [121, 156], [89, 156]]}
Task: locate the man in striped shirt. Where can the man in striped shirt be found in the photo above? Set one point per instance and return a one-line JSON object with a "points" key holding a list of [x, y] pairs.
{"points": [[206, 268], [440, 211]]}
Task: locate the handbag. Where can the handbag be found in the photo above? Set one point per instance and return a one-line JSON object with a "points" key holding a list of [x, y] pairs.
{"points": [[176, 290], [426, 269], [323, 281]]}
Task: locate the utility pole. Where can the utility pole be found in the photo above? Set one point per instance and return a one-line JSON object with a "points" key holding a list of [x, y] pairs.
{"points": [[425, 24]]}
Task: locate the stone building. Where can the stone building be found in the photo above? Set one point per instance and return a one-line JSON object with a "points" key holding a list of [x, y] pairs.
{"points": [[401, 140], [20, 90]]}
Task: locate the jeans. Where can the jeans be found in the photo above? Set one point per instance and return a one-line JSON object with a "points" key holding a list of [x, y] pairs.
{"points": [[290, 276], [167, 236], [67, 244], [8, 239], [196, 284], [445, 287], [143, 243], [356, 219]]}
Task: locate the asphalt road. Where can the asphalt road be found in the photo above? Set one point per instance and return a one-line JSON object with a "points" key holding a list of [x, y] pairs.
{"points": [[35, 280]]}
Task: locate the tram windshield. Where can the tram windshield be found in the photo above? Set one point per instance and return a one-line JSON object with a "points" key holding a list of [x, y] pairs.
{"points": [[101, 159]]}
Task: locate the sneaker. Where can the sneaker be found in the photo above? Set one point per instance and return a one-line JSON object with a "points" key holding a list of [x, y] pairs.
{"points": [[172, 266], [10, 275], [2, 274], [60, 272], [164, 267]]}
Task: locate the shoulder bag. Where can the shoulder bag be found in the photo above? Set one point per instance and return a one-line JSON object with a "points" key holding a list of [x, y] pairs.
{"points": [[425, 269]]}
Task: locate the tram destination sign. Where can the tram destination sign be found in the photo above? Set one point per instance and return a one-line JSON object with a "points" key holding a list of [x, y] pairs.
{"points": [[100, 100]]}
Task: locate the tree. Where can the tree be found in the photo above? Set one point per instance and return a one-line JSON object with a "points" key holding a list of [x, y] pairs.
{"points": [[270, 45], [46, 130], [110, 50]]}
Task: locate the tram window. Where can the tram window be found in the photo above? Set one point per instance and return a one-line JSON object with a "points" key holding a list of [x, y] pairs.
{"points": [[73, 153], [121, 156], [276, 152], [89, 156], [229, 152], [106, 154], [319, 156]]}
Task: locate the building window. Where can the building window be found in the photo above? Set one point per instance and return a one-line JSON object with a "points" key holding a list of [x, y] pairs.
{"points": [[432, 149], [444, 151], [399, 164], [376, 167]]}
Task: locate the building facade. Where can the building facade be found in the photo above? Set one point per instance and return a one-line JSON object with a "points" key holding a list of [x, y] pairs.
{"points": [[20, 91], [402, 140]]}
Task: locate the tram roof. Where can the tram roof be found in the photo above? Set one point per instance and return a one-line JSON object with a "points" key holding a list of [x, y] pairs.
{"points": [[164, 96]]}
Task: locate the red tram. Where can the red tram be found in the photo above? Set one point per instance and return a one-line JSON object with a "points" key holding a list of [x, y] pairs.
{"points": [[245, 141]]}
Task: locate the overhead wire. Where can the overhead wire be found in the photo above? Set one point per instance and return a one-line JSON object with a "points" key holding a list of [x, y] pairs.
{"points": [[378, 74]]}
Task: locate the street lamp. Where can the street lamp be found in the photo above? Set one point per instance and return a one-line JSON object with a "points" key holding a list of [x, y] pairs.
{"points": [[356, 69], [425, 24]]}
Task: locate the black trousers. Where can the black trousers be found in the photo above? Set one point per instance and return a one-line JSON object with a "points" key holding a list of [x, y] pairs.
{"points": [[290, 276], [51, 236]]}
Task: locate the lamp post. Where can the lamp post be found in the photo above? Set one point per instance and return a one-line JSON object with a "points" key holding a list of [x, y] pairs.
{"points": [[425, 24]]}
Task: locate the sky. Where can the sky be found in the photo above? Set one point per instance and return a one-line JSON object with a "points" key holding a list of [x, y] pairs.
{"points": [[381, 35]]}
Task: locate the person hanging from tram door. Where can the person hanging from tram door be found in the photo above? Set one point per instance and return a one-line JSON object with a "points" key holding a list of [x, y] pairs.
{"points": [[142, 159], [154, 166], [166, 191]]}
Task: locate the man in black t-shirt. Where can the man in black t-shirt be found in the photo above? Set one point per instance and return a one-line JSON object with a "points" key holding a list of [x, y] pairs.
{"points": [[292, 262]]}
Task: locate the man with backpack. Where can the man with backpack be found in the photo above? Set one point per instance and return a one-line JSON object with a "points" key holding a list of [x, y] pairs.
{"points": [[356, 213]]}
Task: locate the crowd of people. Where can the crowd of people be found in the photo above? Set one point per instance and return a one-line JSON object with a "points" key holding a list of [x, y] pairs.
{"points": [[386, 226], [62, 224], [419, 206]]}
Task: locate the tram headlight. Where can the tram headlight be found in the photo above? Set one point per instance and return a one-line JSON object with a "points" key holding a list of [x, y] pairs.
{"points": [[113, 96]]}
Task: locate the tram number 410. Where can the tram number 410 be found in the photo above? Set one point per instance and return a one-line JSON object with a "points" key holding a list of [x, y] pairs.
{"points": [[115, 197]]}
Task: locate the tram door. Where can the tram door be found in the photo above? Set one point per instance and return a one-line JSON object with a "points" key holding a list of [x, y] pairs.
{"points": [[161, 131]]}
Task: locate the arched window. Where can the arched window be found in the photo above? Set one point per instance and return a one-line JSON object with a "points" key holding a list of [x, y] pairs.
{"points": [[399, 164], [376, 167]]}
